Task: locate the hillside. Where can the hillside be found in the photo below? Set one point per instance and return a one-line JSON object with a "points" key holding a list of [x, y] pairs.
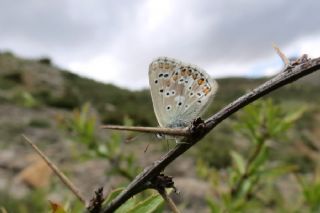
{"points": [[54, 87], [37, 98]]}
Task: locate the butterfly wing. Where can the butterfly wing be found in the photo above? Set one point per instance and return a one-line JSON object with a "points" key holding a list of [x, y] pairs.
{"points": [[160, 73], [180, 92]]}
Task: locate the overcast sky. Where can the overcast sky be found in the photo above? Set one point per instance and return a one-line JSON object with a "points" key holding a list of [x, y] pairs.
{"points": [[114, 41]]}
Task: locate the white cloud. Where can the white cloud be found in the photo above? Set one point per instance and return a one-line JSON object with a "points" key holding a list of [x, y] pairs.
{"points": [[102, 68]]}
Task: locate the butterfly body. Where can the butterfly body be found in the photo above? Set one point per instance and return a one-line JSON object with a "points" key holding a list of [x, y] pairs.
{"points": [[180, 92]]}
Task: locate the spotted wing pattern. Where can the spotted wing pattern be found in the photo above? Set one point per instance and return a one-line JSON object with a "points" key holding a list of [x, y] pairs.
{"points": [[180, 92]]}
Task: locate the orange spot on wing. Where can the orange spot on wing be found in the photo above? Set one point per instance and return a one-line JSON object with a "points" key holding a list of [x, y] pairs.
{"points": [[206, 90], [200, 81]]}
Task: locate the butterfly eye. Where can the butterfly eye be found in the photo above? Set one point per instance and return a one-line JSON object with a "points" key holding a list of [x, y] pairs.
{"points": [[206, 90]]}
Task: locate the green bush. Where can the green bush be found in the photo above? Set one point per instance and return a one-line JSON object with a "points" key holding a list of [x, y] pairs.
{"points": [[34, 202], [249, 178], [25, 99]]}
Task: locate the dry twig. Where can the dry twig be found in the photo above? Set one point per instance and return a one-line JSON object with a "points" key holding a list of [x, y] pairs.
{"points": [[283, 57], [169, 201], [57, 171]]}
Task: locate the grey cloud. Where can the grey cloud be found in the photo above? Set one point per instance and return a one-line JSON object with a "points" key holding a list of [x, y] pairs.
{"points": [[64, 25], [246, 31]]}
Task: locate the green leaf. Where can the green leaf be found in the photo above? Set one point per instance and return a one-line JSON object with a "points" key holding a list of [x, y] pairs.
{"points": [[148, 205], [129, 204], [214, 207], [278, 170], [260, 160], [294, 116], [113, 194], [287, 120], [247, 185], [311, 193], [239, 161]]}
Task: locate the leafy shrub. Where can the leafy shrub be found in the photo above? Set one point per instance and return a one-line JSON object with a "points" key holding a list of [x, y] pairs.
{"points": [[82, 126], [250, 173]]}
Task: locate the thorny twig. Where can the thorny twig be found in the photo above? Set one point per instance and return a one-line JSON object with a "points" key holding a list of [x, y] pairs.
{"points": [[199, 130]]}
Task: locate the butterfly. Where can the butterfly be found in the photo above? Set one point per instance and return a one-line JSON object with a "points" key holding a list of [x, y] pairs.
{"points": [[180, 92]]}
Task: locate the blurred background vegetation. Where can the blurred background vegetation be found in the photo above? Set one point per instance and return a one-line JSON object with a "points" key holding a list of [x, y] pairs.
{"points": [[264, 158]]}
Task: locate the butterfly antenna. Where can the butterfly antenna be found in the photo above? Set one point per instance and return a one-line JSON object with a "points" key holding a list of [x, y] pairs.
{"points": [[131, 138], [146, 149]]}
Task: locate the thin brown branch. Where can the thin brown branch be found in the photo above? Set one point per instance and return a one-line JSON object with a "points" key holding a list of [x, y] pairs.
{"points": [[169, 201], [57, 171], [167, 131], [3, 210], [290, 74]]}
